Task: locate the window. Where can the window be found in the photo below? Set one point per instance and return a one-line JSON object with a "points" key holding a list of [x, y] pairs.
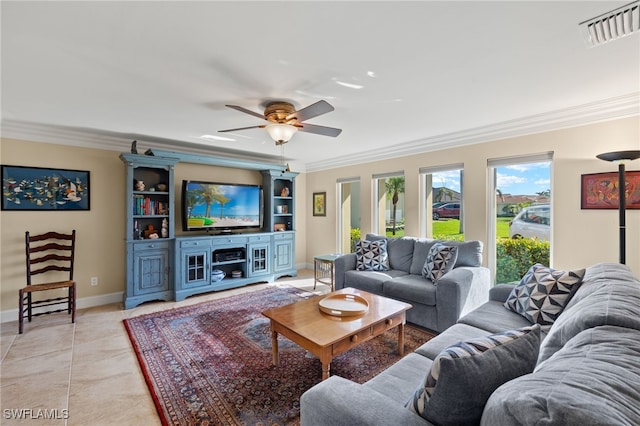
{"points": [[349, 215], [389, 213], [521, 218], [442, 205]]}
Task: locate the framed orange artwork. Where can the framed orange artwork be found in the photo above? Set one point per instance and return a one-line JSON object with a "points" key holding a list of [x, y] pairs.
{"points": [[600, 190]]}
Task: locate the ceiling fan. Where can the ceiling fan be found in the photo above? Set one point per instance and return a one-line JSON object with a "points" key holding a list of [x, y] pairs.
{"points": [[285, 121]]}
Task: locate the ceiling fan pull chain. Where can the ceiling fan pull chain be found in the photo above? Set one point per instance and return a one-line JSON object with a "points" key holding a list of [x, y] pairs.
{"points": [[282, 155]]}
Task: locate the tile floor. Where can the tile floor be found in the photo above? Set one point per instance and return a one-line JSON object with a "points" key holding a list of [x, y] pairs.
{"points": [[59, 373]]}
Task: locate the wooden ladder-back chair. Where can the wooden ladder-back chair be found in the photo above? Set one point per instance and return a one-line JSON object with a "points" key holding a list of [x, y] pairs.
{"points": [[52, 251]]}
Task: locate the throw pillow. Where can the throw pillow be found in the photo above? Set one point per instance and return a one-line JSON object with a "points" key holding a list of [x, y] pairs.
{"points": [[372, 255], [440, 260], [468, 373], [543, 293]]}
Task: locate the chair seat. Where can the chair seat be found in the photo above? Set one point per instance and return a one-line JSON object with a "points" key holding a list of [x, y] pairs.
{"points": [[48, 286]]}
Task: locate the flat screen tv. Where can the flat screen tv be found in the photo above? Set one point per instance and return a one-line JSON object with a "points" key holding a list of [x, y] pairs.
{"points": [[220, 207]]}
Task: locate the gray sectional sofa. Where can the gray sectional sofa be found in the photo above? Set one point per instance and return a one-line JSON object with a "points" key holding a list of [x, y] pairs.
{"points": [[586, 368], [435, 307]]}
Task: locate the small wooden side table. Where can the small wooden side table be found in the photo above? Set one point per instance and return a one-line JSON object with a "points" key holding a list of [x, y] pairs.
{"points": [[323, 269]]}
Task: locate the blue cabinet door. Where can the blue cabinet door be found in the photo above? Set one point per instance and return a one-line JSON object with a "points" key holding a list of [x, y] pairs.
{"points": [[151, 271], [283, 255]]}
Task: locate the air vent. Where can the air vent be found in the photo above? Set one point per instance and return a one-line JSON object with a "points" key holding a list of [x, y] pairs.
{"points": [[613, 25]]}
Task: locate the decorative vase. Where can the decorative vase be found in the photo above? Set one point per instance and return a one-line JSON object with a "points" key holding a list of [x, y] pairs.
{"points": [[165, 228]]}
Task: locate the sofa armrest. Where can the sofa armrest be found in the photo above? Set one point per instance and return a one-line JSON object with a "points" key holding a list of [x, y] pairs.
{"points": [[460, 291], [500, 292], [338, 401], [346, 262]]}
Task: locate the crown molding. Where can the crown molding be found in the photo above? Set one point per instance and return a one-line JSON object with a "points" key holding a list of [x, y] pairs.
{"points": [[113, 141], [605, 110], [608, 109]]}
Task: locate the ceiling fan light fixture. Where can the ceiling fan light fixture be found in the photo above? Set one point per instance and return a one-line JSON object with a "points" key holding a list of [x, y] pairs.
{"points": [[280, 132]]}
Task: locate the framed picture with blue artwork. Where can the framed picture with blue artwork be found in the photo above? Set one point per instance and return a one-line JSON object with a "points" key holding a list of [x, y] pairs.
{"points": [[39, 188]]}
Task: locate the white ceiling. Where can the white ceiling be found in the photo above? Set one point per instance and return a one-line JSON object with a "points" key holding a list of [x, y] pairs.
{"points": [[434, 74]]}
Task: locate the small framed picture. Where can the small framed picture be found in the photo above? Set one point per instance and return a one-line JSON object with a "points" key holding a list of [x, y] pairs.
{"points": [[319, 203], [39, 188]]}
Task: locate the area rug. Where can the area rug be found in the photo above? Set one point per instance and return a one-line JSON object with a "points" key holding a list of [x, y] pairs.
{"points": [[211, 363]]}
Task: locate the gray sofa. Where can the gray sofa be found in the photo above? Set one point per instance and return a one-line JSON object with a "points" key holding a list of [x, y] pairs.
{"points": [[435, 307], [587, 371]]}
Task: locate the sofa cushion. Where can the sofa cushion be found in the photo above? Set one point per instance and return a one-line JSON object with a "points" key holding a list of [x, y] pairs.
{"points": [[372, 255], [609, 295], [400, 250], [454, 334], [440, 260], [543, 293], [421, 249], [469, 252], [593, 380], [411, 288], [400, 380], [370, 281], [493, 317], [467, 373], [400, 253]]}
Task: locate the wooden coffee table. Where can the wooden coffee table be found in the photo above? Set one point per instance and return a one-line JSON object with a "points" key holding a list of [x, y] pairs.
{"points": [[326, 335]]}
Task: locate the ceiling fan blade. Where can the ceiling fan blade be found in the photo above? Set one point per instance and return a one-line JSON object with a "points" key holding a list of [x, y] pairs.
{"points": [[313, 110], [262, 126], [319, 130], [246, 111]]}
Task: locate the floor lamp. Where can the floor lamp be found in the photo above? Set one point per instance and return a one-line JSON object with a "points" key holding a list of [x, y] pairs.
{"points": [[620, 157]]}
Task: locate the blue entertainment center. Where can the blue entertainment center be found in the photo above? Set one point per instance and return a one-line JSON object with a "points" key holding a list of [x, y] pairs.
{"points": [[161, 266]]}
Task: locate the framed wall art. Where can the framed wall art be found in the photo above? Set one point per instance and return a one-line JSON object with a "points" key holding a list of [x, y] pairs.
{"points": [[39, 188], [600, 190], [319, 203]]}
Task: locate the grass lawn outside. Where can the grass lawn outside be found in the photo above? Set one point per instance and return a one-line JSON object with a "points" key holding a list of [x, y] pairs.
{"points": [[451, 227]]}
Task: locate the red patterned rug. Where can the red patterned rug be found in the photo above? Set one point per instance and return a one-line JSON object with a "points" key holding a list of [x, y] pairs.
{"points": [[210, 363]]}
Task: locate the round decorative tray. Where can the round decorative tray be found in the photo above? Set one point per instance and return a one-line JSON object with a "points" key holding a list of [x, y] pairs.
{"points": [[344, 305]]}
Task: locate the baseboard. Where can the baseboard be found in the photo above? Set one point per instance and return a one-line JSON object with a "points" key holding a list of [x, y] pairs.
{"points": [[104, 299], [82, 303]]}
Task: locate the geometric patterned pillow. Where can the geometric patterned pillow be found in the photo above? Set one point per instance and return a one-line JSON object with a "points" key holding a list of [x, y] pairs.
{"points": [[463, 376], [372, 255], [543, 293], [440, 260]]}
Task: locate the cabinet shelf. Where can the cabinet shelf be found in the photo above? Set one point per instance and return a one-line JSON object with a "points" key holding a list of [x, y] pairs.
{"points": [[149, 192], [150, 216], [229, 262]]}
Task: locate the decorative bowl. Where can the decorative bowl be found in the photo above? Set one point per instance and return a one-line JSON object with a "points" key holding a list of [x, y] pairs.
{"points": [[217, 275]]}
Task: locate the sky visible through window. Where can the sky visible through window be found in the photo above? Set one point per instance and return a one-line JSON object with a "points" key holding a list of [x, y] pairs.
{"points": [[518, 179]]}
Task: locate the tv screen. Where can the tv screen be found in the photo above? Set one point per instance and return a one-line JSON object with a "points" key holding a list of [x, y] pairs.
{"points": [[220, 206]]}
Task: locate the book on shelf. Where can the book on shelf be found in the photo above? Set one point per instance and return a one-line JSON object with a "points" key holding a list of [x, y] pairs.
{"points": [[145, 206]]}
